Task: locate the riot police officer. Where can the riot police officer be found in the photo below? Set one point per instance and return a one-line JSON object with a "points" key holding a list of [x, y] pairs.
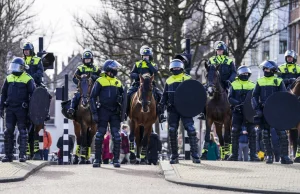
{"points": [[177, 67], [15, 97], [237, 94], [109, 90], [35, 64], [86, 68], [143, 66], [289, 70], [264, 88]]}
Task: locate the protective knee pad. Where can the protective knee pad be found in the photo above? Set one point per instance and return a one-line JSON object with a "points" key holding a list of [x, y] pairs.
{"points": [[173, 132], [116, 135], [99, 138], [8, 133]]}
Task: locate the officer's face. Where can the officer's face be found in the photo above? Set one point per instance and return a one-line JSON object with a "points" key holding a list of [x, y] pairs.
{"points": [[146, 58], [220, 52], [26, 52], [87, 60], [289, 59], [267, 70]]}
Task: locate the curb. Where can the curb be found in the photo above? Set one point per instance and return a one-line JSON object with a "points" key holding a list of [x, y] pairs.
{"points": [[22, 178], [171, 176]]}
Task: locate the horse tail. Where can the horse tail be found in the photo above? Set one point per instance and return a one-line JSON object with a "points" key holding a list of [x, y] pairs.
{"points": [[141, 133]]}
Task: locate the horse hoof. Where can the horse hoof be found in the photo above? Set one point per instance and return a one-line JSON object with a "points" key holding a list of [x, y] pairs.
{"points": [[117, 165], [196, 161], [87, 162], [174, 161], [96, 165], [297, 160], [137, 162], [132, 161]]}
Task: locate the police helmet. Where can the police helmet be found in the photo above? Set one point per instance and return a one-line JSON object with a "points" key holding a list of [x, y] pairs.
{"points": [[146, 51], [243, 69], [111, 66], [269, 65], [220, 45], [17, 65], [290, 53], [87, 55], [176, 63], [29, 46]]}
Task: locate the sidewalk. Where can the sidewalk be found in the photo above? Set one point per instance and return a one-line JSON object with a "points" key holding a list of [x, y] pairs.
{"points": [[235, 176], [17, 171]]}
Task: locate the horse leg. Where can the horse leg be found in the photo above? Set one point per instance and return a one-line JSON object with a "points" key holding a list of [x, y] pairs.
{"points": [[227, 139], [83, 144], [297, 153], [293, 140], [36, 147], [145, 133], [92, 133], [77, 129], [131, 143], [138, 144], [223, 146], [30, 148], [208, 124]]}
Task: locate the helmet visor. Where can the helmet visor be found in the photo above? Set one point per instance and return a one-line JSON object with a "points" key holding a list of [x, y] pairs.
{"points": [[115, 65], [15, 67], [291, 53], [176, 64], [244, 70]]}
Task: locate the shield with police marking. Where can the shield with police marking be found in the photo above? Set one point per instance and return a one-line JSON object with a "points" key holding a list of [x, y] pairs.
{"points": [[39, 106], [282, 110], [124, 104], [248, 111], [190, 98]]}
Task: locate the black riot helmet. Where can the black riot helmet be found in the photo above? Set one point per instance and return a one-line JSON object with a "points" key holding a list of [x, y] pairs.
{"points": [[290, 53], [241, 73], [111, 66], [220, 45], [17, 66], [146, 51], [29, 46], [87, 54]]}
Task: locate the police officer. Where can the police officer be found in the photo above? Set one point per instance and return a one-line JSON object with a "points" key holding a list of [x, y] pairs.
{"points": [[84, 69], [289, 70], [226, 67], [109, 90], [237, 95], [177, 67], [35, 64], [15, 97], [143, 66], [264, 88]]}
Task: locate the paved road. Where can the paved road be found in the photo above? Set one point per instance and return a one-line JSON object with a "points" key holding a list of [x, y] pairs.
{"points": [[86, 180]]}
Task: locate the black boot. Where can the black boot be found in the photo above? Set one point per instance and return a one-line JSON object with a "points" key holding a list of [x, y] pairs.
{"points": [[8, 146], [116, 149], [98, 149], [23, 144], [174, 145], [74, 103], [235, 144], [194, 147], [267, 144], [252, 145], [283, 139]]}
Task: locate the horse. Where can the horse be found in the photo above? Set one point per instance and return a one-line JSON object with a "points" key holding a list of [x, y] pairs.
{"points": [[142, 116], [295, 134], [218, 110], [33, 140], [84, 126]]}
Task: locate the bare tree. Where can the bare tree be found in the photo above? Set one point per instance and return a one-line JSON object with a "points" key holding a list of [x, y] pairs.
{"points": [[15, 24]]}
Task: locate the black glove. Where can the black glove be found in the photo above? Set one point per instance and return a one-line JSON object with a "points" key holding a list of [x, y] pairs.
{"points": [[259, 113], [2, 113], [95, 117], [160, 108], [228, 83]]}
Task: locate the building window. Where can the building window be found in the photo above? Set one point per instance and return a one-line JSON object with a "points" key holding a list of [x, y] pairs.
{"points": [[284, 2], [295, 4], [282, 46], [266, 50]]}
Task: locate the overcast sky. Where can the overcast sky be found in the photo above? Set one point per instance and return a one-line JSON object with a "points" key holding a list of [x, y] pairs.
{"points": [[57, 16]]}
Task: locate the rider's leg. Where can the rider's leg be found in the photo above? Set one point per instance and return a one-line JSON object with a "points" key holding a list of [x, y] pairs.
{"points": [[133, 88], [74, 103]]}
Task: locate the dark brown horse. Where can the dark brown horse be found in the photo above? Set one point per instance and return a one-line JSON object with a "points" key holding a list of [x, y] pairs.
{"points": [[84, 126], [295, 134], [142, 115], [217, 109]]}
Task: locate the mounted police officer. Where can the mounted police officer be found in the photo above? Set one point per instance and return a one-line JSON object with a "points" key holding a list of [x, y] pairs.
{"points": [[237, 95], [225, 66], [109, 90], [15, 96], [289, 70], [84, 69], [145, 65], [177, 67], [264, 88]]}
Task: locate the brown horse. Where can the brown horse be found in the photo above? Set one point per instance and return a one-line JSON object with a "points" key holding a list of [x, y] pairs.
{"points": [[217, 109], [84, 126], [142, 116], [295, 134]]}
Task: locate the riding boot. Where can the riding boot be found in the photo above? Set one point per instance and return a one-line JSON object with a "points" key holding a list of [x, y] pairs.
{"points": [[283, 139], [193, 144], [74, 103], [8, 147], [235, 144], [252, 146], [268, 147], [98, 149], [174, 145], [116, 151], [23, 145]]}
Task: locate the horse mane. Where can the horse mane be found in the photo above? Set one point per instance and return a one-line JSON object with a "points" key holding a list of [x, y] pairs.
{"points": [[146, 82], [212, 74], [296, 87]]}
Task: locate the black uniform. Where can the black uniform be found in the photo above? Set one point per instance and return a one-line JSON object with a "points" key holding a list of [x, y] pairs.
{"points": [[173, 118], [109, 91], [15, 97]]}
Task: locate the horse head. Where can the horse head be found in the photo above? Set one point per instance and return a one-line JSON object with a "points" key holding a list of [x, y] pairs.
{"points": [[85, 85], [295, 87], [146, 91], [213, 79]]}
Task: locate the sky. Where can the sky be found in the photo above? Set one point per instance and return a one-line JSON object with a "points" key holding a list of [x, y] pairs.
{"points": [[56, 24]]}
